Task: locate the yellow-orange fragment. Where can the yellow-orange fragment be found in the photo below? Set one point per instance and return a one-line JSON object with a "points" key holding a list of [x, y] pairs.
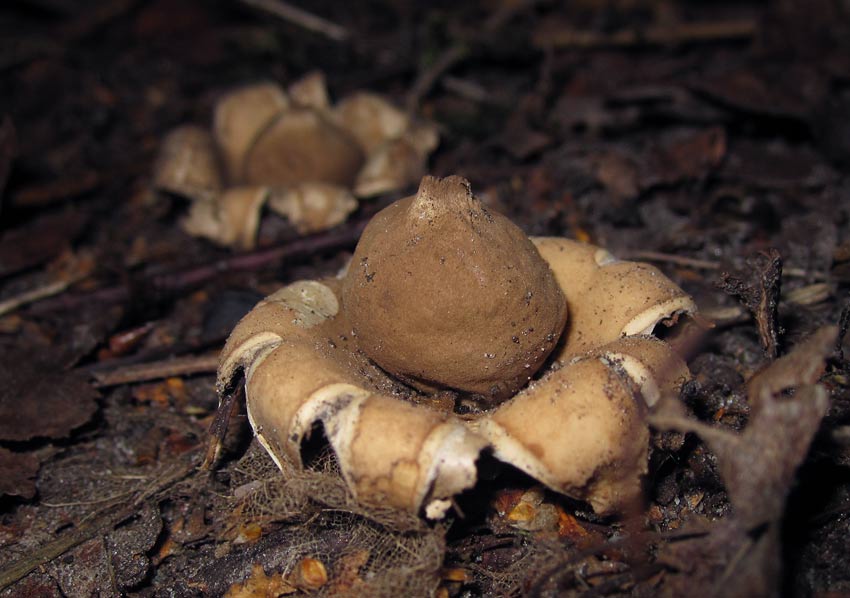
{"points": [[309, 574], [260, 585]]}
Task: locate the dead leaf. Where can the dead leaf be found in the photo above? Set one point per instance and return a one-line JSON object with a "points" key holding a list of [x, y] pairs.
{"points": [[40, 400], [742, 553], [619, 174], [759, 288], [763, 93], [17, 473], [129, 547], [776, 165], [38, 241], [690, 157]]}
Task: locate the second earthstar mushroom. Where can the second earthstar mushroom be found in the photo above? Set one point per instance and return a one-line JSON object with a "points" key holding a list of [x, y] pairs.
{"points": [[294, 152], [442, 293]]}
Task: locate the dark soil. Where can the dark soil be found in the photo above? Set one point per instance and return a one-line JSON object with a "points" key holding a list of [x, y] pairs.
{"points": [[712, 139]]}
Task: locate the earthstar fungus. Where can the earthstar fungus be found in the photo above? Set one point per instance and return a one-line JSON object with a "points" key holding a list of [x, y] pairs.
{"points": [[294, 152], [549, 336]]}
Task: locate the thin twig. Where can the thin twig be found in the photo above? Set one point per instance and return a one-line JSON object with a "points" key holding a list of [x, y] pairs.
{"points": [[179, 366], [80, 503], [654, 35], [669, 258], [183, 280], [697, 264], [302, 18], [31, 296]]}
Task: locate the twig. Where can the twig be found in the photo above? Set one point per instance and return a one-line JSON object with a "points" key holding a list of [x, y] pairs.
{"points": [[697, 264], [48, 290], [655, 35], [42, 194], [458, 51], [80, 503], [180, 366], [302, 18], [669, 258], [93, 524], [165, 284]]}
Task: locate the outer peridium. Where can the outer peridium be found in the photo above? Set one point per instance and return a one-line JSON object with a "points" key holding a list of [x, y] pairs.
{"points": [[580, 429]]}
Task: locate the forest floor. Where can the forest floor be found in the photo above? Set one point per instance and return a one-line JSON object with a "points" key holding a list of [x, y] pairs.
{"points": [[712, 139]]}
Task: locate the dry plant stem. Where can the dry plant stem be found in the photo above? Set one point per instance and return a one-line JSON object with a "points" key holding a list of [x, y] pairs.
{"points": [[193, 277], [655, 35], [98, 522], [697, 264], [54, 191], [180, 366], [48, 290], [302, 18]]}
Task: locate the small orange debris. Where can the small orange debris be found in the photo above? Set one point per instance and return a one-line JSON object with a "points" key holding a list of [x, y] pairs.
{"points": [[162, 394], [309, 574], [695, 498], [506, 500], [523, 512], [569, 527], [248, 533], [346, 579], [655, 514], [260, 585], [457, 574]]}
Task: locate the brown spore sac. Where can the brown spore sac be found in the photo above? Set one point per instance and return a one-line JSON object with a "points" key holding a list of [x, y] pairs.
{"points": [[444, 293]]}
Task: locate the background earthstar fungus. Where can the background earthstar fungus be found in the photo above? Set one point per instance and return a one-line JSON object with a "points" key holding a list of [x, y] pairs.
{"points": [[309, 354], [293, 151]]}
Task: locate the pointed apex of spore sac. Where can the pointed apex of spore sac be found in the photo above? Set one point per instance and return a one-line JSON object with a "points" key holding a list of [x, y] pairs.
{"points": [[438, 198]]}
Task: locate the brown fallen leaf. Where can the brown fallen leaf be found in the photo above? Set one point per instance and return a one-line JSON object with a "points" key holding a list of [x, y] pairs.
{"points": [[762, 93], [39, 241], [17, 473], [684, 158], [759, 288], [740, 556], [39, 399]]}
